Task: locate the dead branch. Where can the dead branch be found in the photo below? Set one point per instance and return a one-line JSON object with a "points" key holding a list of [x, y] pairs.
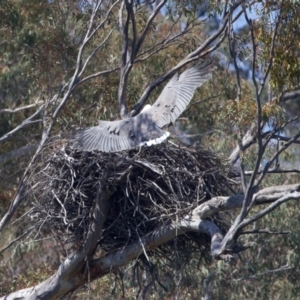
{"points": [[252, 185], [25, 123], [17, 153], [14, 110], [284, 138], [147, 26], [283, 147], [46, 132], [276, 195], [256, 276], [130, 52], [264, 196], [233, 54], [114, 260], [67, 280], [268, 231], [275, 171], [288, 96], [250, 139]]}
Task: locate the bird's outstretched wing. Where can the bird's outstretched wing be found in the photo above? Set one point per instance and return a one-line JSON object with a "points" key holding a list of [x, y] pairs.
{"points": [[145, 128], [120, 135], [107, 136], [178, 93]]}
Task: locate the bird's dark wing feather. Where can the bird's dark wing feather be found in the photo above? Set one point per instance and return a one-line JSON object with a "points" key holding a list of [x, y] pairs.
{"points": [[177, 94]]}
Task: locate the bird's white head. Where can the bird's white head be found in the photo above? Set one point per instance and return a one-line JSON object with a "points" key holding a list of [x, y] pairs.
{"points": [[146, 107]]}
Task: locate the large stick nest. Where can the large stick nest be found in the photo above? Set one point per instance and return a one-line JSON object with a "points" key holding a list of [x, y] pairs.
{"points": [[160, 184]]}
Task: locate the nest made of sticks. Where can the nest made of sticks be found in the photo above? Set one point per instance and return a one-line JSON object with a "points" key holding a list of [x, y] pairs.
{"points": [[163, 183]]}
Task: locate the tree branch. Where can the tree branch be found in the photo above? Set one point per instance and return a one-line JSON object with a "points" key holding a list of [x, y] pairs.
{"points": [[72, 272], [276, 195], [266, 195], [14, 110], [21, 193], [147, 27], [17, 153], [67, 279], [126, 58], [25, 122], [288, 96], [255, 276]]}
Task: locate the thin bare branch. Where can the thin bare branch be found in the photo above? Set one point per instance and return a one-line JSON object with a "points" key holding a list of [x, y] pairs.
{"points": [[233, 54], [284, 138], [283, 147], [292, 196], [129, 55], [256, 276], [25, 123], [126, 58], [16, 239], [95, 75], [248, 140], [275, 171], [21, 193], [17, 153], [100, 46], [166, 42], [276, 195], [289, 96], [249, 191], [14, 110], [266, 195], [59, 284], [147, 26], [260, 231], [251, 136], [252, 186]]}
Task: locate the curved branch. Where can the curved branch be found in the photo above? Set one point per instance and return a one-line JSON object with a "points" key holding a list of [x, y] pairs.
{"points": [[14, 110], [266, 195], [17, 153], [71, 273], [65, 280], [147, 26], [276, 195], [289, 96], [21, 193], [23, 124]]}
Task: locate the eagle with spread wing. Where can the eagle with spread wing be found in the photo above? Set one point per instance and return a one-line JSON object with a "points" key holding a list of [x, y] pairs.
{"points": [[146, 127]]}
